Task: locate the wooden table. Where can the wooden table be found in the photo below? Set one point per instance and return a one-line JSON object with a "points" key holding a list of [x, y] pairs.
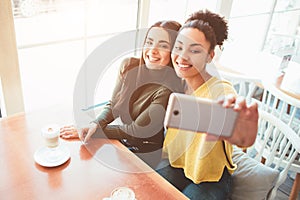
{"points": [[92, 172]]}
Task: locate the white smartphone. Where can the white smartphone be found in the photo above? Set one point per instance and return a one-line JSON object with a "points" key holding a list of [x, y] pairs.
{"points": [[199, 115]]}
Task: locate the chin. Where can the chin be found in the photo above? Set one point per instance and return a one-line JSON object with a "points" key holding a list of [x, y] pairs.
{"points": [[179, 74], [154, 66]]}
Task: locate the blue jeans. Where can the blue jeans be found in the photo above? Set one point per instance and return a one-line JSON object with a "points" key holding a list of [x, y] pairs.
{"points": [[205, 190]]}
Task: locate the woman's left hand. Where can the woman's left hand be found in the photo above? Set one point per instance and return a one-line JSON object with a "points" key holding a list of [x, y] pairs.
{"points": [[246, 126], [245, 130]]}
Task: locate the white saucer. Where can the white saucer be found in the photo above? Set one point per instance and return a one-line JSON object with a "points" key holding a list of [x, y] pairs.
{"points": [[52, 158]]}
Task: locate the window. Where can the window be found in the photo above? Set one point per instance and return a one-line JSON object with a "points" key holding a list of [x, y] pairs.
{"points": [[54, 37], [248, 23], [284, 33], [178, 10], [268, 25]]}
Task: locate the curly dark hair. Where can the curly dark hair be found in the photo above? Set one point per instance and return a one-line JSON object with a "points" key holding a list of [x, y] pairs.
{"points": [[211, 24]]}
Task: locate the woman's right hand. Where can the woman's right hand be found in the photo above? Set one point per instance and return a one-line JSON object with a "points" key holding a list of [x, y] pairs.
{"points": [[87, 132], [69, 132], [84, 134]]}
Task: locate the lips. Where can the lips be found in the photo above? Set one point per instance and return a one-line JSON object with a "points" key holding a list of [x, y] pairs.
{"points": [[183, 65], [153, 59]]}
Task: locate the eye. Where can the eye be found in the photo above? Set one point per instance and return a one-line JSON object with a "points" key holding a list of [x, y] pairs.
{"points": [[195, 51], [198, 51], [164, 46], [177, 48], [148, 43]]}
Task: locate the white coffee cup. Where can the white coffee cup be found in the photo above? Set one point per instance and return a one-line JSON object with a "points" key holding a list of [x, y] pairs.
{"points": [[51, 135]]}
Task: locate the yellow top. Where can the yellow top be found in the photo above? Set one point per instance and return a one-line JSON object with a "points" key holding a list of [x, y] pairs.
{"points": [[202, 161]]}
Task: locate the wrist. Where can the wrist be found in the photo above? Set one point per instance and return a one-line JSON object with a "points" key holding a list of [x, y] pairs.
{"points": [[94, 124]]}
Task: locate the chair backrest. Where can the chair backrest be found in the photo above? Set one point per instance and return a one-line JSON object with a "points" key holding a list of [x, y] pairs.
{"points": [[281, 105], [244, 85], [277, 144]]}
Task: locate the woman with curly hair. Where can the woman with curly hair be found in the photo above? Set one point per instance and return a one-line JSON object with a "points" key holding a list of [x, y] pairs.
{"points": [[200, 167]]}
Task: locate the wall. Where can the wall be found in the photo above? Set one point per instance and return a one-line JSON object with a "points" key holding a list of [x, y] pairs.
{"points": [[9, 67]]}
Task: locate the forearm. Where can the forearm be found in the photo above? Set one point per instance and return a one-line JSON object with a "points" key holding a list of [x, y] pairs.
{"points": [[110, 132], [105, 117]]}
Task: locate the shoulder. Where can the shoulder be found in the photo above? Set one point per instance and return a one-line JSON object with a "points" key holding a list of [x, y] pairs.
{"points": [[216, 82], [220, 87], [155, 91], [162, 92], [129, 63]]}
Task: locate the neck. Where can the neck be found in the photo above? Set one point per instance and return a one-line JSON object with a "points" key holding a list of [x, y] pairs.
{"points": [[195, 82]]}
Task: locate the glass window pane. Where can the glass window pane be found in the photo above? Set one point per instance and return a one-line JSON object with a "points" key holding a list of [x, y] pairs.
{"points": [[158, 10], [177, 10], [194, 5], [111, 16], [48, 73], [250, 7], [247, 32], [285, 5], [64, 20], [72, 19], [284, 35], [55, 36], [248, 23]]}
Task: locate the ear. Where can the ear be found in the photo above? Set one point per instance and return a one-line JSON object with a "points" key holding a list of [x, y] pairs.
{"points": [[208, 60], [210, 56]]}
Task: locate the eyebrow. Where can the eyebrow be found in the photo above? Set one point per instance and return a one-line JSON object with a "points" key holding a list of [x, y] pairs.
{"points": [[160, 41], [192, 45]]}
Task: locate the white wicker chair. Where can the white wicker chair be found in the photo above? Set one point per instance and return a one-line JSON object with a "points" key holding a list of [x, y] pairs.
{"points": [[277, 145], [286, 109], [281, 105]]}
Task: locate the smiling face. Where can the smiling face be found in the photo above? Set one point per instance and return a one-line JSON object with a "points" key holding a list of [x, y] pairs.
{"points": [[190, 55], [157, 48]]}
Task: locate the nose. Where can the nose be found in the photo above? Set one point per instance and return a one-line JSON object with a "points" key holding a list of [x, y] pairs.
{"points": [[183, 55], [180, 59], [153, 50]]}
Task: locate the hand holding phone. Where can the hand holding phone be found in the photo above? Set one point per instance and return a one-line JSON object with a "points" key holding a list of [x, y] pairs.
{"points": [[197, 114]]}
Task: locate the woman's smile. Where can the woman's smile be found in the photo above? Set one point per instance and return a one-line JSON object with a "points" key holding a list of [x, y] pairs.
{"points": [[183, 66], [153, 59]]}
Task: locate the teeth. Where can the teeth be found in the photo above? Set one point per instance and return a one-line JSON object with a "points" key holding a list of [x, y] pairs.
{"points": [[151, 59], [183, 65]]}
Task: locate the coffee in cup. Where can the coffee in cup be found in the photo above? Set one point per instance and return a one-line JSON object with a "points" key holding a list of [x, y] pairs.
{"points": [[51, 135]]}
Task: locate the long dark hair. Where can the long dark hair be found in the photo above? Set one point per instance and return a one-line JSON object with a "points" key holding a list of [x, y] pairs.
{"points": [[172, 27]]}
